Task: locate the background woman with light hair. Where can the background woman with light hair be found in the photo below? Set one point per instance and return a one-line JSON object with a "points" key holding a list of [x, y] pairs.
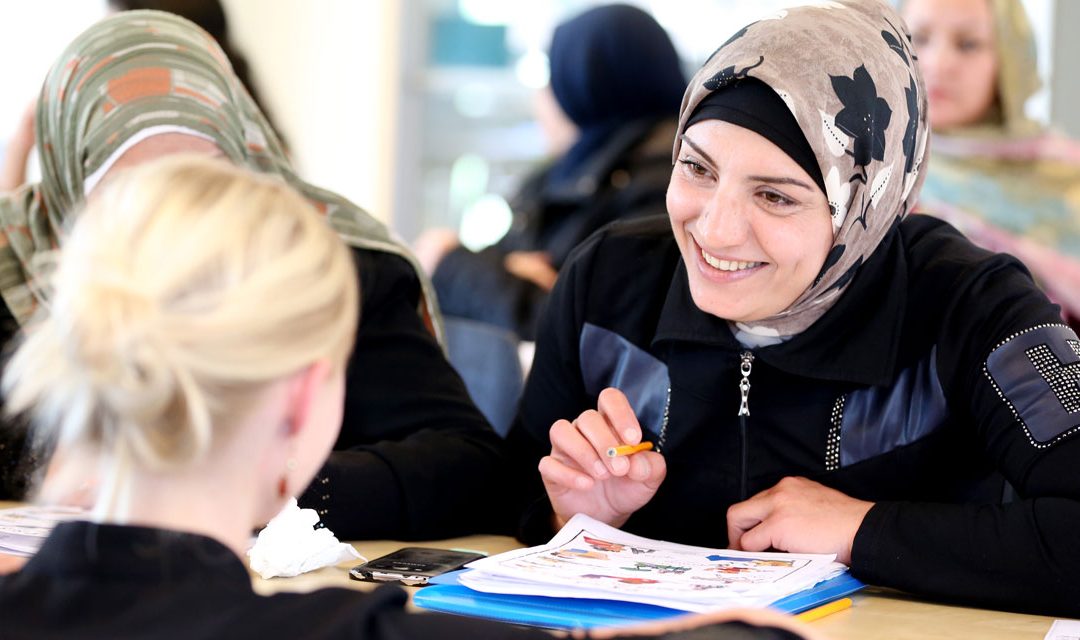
{"points": [[1004, 180]]}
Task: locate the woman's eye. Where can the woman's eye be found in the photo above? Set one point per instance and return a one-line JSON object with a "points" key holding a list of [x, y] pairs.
{"points": [[969, 46], [776, 199], [693, 168]]}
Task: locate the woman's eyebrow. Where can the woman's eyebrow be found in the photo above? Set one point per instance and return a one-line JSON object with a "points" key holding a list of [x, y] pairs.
{"points": [[767, 179], [699, 150], [780, 180]]}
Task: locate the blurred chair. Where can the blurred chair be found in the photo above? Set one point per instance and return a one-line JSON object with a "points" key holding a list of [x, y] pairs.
{"points": [[487, 358]]}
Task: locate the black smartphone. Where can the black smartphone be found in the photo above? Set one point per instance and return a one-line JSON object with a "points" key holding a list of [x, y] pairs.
{"points": [[412, 565]]}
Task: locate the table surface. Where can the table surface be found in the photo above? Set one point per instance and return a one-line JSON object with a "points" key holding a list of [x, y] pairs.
{"points": [[877, 613]]}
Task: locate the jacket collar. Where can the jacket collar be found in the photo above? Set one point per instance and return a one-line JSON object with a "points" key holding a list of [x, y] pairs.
{"points": [[855, 341]]}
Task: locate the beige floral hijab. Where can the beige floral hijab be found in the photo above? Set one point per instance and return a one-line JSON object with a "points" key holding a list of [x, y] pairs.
{"points": [[845, 70], [121, 79]]}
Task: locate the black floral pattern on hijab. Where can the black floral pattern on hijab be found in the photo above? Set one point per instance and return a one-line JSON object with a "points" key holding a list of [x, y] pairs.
{"points": [[727, 75], [865, 116], [844, 97], [901, 44], [912, 130]]}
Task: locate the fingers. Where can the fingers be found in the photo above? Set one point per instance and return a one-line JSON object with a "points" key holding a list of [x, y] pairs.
{"points": [[559, 478], [613, 404], [10, 564], [745, 516], [585, 441], [754, 617], [798, 515], [648, 468], [582, 442]]}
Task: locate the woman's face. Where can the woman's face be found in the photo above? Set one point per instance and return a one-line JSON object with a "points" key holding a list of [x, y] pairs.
{"points": [[752, 227], [955, 42]]}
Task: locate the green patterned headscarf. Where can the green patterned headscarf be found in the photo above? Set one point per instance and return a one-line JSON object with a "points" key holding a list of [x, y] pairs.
{"points": [[129, 73]]}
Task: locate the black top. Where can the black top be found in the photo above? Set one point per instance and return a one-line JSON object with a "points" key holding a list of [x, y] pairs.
{"points": [[626, 177], [116, 582], [107, 581], [940, 371], [17, 461], [413, 449]]}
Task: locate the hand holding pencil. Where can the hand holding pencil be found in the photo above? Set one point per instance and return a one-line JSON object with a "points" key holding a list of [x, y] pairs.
{"points": [[627, 449], [599, 465]]}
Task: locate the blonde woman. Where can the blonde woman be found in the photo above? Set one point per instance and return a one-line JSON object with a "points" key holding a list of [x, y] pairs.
{"points": [[202, 408]]}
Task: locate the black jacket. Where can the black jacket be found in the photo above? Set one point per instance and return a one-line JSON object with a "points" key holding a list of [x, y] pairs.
{"points": [[625, 178], [107, 581], [413, 446], [914, 391]]}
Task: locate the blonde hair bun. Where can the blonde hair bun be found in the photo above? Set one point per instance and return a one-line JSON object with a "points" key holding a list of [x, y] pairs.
{"points": [[186, 286]]}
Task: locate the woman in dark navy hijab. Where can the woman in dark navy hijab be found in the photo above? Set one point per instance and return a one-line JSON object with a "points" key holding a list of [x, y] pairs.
{"points": [[616, 77]]}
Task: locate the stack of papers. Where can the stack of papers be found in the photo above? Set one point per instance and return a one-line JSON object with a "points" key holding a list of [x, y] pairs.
{"points": [[588, 559], [23, 529]]}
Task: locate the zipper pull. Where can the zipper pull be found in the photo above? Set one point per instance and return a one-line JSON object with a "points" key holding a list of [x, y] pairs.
{"points": [[744, 384]]}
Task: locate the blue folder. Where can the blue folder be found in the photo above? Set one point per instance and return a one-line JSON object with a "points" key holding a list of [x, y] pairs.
{"points": [[447, 595]]}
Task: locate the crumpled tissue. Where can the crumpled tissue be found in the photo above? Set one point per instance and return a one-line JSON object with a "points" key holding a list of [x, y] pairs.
{"points": [[290, 545]]}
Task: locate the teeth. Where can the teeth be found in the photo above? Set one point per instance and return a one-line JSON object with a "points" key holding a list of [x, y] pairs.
{"points": [[727, 265]]}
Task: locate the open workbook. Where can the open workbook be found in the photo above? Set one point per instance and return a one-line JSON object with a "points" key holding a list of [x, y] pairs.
{"points": [[591, 574]]}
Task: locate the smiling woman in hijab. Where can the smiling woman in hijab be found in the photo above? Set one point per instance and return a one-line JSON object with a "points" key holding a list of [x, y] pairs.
{"points": [[1006, 182], [142, 84], [615, 74], [819, 371]]}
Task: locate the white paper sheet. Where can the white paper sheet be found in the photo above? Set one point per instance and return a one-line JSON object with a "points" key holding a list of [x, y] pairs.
{"points": [[590, 559], [23, 529], [1064, 630]]}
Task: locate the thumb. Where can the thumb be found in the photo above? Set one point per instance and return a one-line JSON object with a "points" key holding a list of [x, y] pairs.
{"points": [[647, 467]]}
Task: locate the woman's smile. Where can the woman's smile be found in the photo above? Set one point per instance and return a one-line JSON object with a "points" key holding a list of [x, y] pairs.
{"points": [[726, 269]]}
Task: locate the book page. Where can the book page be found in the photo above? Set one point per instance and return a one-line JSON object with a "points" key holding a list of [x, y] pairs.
{"points": [[589, 557]]}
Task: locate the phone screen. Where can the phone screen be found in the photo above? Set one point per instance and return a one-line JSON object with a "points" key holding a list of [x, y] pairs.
{"points": [[412, 565]]}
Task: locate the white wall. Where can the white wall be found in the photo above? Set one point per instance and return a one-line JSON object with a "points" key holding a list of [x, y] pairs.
{"points": [[328, 70], [1065, 103], [28, 48]]}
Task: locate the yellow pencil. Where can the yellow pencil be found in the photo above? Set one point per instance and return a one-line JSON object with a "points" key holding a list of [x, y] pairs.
{"points": [[820, 612], [627, 449]]}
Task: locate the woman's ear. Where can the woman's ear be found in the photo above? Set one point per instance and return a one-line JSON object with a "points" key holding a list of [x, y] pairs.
{"points": [[304, 395]]}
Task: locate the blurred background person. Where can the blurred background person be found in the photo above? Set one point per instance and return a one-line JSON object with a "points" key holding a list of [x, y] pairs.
{"points": [[615, 76], [1001, 178], [412, 442]]}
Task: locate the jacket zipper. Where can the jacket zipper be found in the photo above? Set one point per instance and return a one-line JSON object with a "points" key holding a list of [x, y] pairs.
{"points": [[745, 364]]}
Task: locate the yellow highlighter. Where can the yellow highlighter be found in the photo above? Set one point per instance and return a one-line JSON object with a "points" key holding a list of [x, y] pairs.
{"points": [[627, 449], [820, 612]]}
